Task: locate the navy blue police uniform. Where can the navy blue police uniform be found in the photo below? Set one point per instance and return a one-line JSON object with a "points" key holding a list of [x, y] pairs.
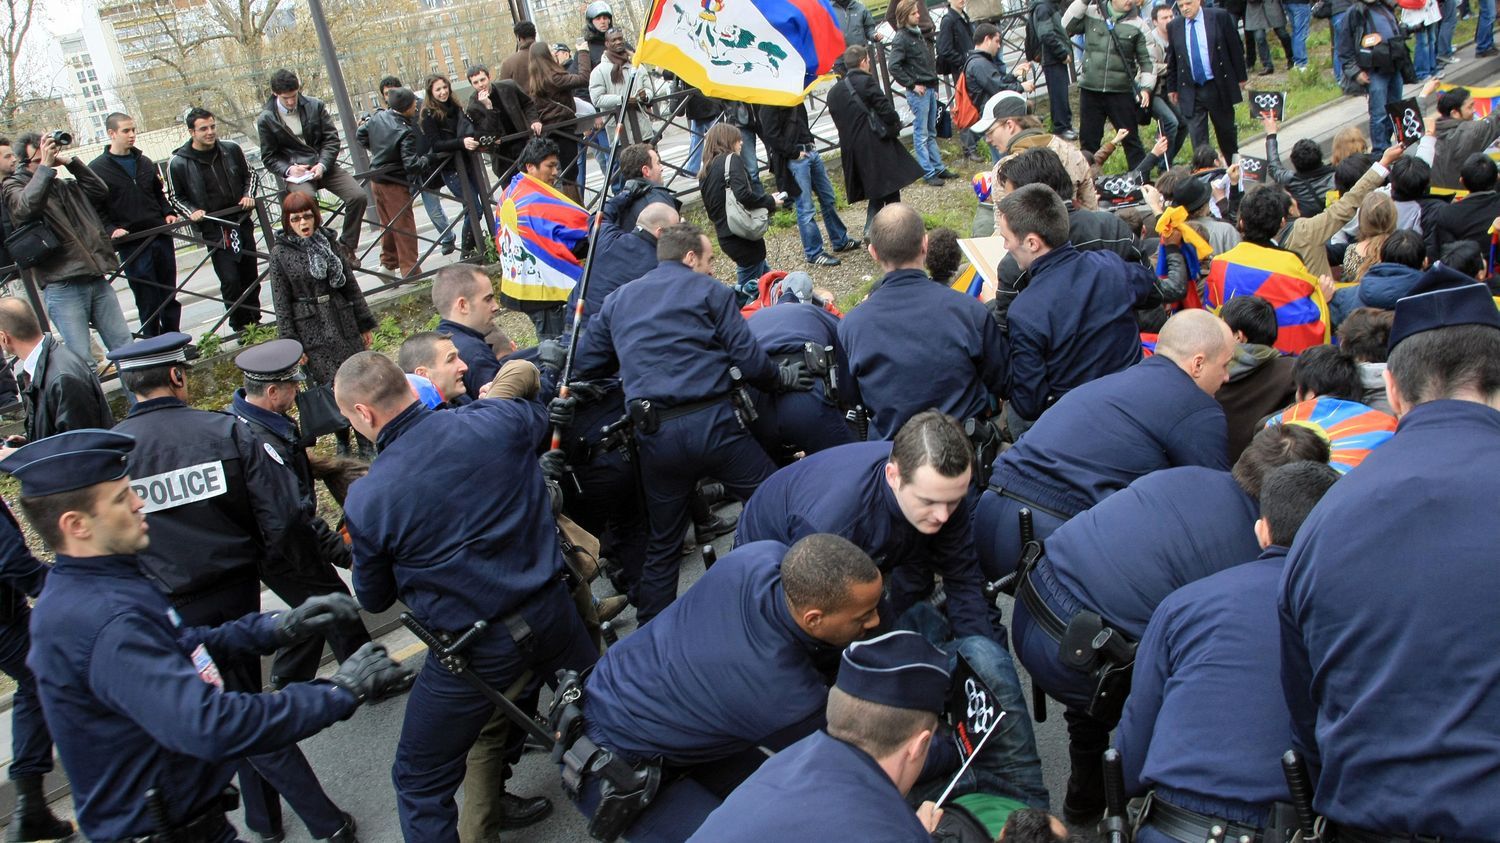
{"points": [[278, 361], [21, 575], [854, 797], [800, 421], [1210, 641], [843, 491], [917, 345], [621, 256], [133, 691], [476, 353], [1097, 440], [723, 670], [454, 559], [1397, 717], [220, 504], [673, 335]]}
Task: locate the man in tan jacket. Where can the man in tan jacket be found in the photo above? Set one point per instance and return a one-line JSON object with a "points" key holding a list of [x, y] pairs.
{"points": [[1306, 236]]}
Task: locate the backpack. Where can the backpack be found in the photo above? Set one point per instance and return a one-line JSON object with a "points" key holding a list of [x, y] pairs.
{"points": [[965, 113]]}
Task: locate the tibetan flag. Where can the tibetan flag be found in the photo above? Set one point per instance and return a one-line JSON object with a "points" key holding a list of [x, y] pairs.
{"points": [[1279, 277], [969, 282], [1485, 99], [1148, 345], [1351, 429], [762, 52], [536, 229]]}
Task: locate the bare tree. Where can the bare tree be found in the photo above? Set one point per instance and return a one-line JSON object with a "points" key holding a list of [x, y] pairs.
{"points": [[15, 25]]}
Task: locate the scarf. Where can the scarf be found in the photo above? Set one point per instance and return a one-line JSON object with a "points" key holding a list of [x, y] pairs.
{"points": [[318, 256], [1194, 248], [619, 56]]}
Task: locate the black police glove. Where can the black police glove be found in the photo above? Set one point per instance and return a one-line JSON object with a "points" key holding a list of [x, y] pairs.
{"points": [[795, 377], [554, 463], [561, 411], [552, 354], [587, 392], [316, 615], [555, 496], [372, 675]]}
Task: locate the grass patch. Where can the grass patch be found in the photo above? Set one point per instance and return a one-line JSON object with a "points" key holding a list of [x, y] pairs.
{"points": [[851, 299]]}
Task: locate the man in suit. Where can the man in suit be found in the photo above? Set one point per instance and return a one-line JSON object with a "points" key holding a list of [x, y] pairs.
{"points": [[1205, 72]]}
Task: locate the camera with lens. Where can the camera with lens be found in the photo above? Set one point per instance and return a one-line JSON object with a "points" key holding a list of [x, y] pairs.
{"points": [[62, 137]]}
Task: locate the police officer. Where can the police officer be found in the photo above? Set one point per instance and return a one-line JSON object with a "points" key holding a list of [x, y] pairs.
{"points": [[798, 328], [916, 345], [272, 374], [673, 335], [621, 255], [1206, 763], [699, 695], [882, 718], [421, 534], [902, 502], [465, 298], [1110, 566], [1400, 729], [1103, 435], [146, 729], [221, 505], [30, 742]]}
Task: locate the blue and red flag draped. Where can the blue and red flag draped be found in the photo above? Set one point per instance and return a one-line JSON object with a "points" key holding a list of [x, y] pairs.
{"points": [[536, 229], [1351, 429], [1279, 277], [1148, 345], [969, 282], [762, 52]]}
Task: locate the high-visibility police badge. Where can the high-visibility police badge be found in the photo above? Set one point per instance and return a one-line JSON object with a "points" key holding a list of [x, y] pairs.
{"points": [[271, 452], [181, 486]]}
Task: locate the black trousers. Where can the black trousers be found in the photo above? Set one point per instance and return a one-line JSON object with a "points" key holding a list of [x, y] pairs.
{"points": [[1057, 95], [1209, 105], [299, 662], [152, 276], [1121, 110], [234, 262]]}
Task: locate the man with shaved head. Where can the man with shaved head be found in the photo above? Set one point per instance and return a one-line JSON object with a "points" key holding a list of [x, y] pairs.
{"points": [[624, 254], [420, 537], [465, 297], [58, 387], [1103, 435]]}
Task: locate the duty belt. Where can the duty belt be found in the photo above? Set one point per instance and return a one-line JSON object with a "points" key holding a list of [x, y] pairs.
{"points": [[1192, 827], [677, 412], [207, 824], [1054, 626]]}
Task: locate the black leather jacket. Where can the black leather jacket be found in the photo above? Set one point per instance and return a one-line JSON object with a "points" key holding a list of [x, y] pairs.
{"points": [[190, 170], [280, 149], [63, 394], [395, 153]]}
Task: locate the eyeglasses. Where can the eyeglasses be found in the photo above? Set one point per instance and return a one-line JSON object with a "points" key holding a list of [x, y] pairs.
{"points": [[299, 216]]}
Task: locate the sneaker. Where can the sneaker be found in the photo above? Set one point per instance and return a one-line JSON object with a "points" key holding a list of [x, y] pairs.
{"points": [[933, 181], [449, 248], [825, 259], [1493, 51], [848, 247], [1453, 59]]}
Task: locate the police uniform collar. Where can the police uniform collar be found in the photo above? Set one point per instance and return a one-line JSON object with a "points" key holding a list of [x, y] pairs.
{"points": [[783, 614], [1056, 254], [1448, 410], [905, 276], [116, 563], [449, 326], [398, 425], [279, 422], [150, 404]]}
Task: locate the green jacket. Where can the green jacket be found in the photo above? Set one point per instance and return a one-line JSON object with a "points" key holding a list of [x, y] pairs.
{"points": [[1103, 68]]}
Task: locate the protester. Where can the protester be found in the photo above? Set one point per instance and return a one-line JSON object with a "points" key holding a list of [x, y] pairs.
{"points": [[1372, 48], [1377, 220], [1470, 218], [1309, 180], [1260, 377], [799, 171], [724, 169], [1459, 136]]}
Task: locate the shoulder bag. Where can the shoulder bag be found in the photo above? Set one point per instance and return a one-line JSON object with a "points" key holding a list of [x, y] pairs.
{"points": [[318, 413], [1143, 114], [749, 223], [30, 244], [877, 126]]}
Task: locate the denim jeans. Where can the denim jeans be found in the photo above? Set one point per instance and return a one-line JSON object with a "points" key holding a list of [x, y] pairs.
{"points": [[1336, 25], [745, 278], [151, 271], [1173, 124], [698, 129], [434, 205], [812, 179], [1009, 764], [1445, 29], [1484, 36], [1299, 15], [1425, 47], [75, 305], [749, 154], [924, 140], [1385, 90]]}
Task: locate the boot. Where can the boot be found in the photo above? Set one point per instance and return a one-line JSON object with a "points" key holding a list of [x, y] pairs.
{"points": [[365, 449], [345, 834], [341, 437], [33, 820], [520, 812]]}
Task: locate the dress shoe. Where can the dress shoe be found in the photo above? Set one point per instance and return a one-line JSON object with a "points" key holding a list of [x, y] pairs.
{"points": [[273, 837], [933, 181], [1067, 135], [520, 812], [720, 525], [346, 833], [449, 248], [610, 607], [1493, 51], [948, 173], [1267, 71]]}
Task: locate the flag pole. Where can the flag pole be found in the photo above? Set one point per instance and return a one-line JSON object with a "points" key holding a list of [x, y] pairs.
{"points": [[588, 261]]}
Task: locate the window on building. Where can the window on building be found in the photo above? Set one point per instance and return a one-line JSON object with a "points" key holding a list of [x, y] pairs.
{"points": [[82, 77], [99, 105], [93, 76]]}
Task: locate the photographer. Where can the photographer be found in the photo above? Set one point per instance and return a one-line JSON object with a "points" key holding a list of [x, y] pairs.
{"points": [[72, 274]]}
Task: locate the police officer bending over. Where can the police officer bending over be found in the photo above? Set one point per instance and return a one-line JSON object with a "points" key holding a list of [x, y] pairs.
{"points": [[901, 502], [673, 335], [224, 511], [421, 537], [1084, 601], [272, 374], [1207, 763], [1399, 724], [145, 726]]}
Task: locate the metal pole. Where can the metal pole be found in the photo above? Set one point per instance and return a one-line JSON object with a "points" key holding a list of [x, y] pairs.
{"points": [[357, 154]]}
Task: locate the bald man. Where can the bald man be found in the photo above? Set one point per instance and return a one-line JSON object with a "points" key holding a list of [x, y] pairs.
{"points": [[1103, 435], [624, 254], [58, 387]]}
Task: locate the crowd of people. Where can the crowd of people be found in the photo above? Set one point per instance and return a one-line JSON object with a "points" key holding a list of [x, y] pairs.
{"points": [[1220, 445]]}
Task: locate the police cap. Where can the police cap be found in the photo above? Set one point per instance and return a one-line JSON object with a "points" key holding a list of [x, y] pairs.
{"points": [[76, 459], [277, 361], [899, 669], [151, 352], [1444, 297]]}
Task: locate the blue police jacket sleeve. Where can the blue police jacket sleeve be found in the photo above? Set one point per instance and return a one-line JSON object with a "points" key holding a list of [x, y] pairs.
{"points": [[1029, 386], [1296, 674], [958, 563], [374, 568], [1142, 281], [995, 367], [786, 736], [595, 357], [1147, 687], [139, 672], [252, 635], [1201, 439], [744, 349], [18, 566]]}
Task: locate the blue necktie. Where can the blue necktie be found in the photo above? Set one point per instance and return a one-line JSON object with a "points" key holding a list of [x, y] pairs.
{"points": [[1195, 57]]}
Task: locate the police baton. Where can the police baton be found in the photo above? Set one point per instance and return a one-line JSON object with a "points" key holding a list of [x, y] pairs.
{"points": [[1115, 828], [1299, 784], [588, 261], [451, 657], [156, 806]]}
